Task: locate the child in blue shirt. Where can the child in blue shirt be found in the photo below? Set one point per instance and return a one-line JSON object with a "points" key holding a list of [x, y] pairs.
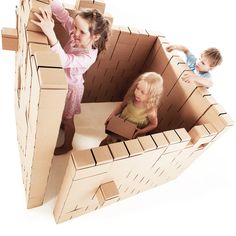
{"points": [[209, 59]]}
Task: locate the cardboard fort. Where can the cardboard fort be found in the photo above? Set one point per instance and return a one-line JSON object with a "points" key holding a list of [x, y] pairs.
{"points": [[98, 176]]}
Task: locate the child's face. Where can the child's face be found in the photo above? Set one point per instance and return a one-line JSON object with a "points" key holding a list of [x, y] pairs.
{"points": [[203, 64], [141, 92], [82, 36]]}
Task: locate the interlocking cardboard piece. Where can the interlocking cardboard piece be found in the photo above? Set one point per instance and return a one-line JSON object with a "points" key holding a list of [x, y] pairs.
{"points": [[190, 119], [29, 8], [96, 4], [120, 128], [107, 193], [9, 39]]}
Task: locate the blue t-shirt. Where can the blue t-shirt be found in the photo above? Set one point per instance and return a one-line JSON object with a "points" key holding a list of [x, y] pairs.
{"points": [[191, 62]]}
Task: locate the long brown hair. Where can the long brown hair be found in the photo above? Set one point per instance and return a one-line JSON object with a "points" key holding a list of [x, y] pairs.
{"points": [[97, 25]]}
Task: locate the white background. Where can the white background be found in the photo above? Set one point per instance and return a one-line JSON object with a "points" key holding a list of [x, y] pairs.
{"points": [[202, 201]]}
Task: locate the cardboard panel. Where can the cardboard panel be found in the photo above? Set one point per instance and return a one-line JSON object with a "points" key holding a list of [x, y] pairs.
{"points": [[133, 147], [172, 73], [29, 8], [107, 193], [195, 107], [97, 4], [47, 59], [46, 100], [120, 128], [102, 155], [9, 39], [118, 150], [64, 190]]}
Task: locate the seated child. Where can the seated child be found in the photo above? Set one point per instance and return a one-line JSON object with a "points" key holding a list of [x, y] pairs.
{"points": [[209, 59], [140, 105]]}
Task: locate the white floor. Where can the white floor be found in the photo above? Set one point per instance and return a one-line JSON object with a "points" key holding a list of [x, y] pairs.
{"points": [[200, 202], [90, 128]]}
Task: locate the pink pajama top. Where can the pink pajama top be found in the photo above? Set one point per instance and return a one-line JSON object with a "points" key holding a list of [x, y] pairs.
{"points": [[75, 61]]}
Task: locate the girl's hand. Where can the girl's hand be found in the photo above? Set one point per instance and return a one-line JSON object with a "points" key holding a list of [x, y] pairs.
{"points": [[46, 23]]}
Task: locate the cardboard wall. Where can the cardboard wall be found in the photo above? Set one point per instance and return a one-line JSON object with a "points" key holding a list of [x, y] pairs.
{"points": [[40, 93], [132, 166]]}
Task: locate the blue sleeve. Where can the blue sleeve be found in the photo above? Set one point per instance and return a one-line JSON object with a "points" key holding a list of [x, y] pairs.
{"points": [[191, 61]]}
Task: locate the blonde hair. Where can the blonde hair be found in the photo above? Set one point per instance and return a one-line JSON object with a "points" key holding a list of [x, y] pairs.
{"points": [[154, 83], [214, 56]]}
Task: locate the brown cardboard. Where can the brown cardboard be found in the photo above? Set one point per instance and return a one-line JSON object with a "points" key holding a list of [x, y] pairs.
{"points": [[99, 5], [9, 39], [50, 79], [65, 187], [33, 6], [47, 59], [134, 147], [172, 73], [197, 105], [83, 159], [36, 37], [35, 47], [118, 150], [160, 140], [102, 155], [40, 149], [107, 193], [120, 128], [147, 143]]}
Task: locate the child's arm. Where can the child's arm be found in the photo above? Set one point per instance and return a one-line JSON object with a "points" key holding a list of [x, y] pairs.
{"points": [[62, 15], [118, 109], [181, 48], [153, 122], [82, 61], [46, 23], [199, 81]]}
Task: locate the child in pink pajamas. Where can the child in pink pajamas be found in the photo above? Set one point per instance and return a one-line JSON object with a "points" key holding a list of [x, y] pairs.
{"points": [[88, 33]]}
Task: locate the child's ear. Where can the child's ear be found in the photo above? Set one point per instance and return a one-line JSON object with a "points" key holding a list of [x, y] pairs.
{"points": [[96, 37]]}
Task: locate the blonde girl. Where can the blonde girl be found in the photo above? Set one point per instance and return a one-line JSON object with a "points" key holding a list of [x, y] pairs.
{"points": [[140, 105]]}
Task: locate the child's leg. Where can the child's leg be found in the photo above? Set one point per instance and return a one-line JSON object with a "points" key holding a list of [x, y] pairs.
{"points": [[69, 129]]}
